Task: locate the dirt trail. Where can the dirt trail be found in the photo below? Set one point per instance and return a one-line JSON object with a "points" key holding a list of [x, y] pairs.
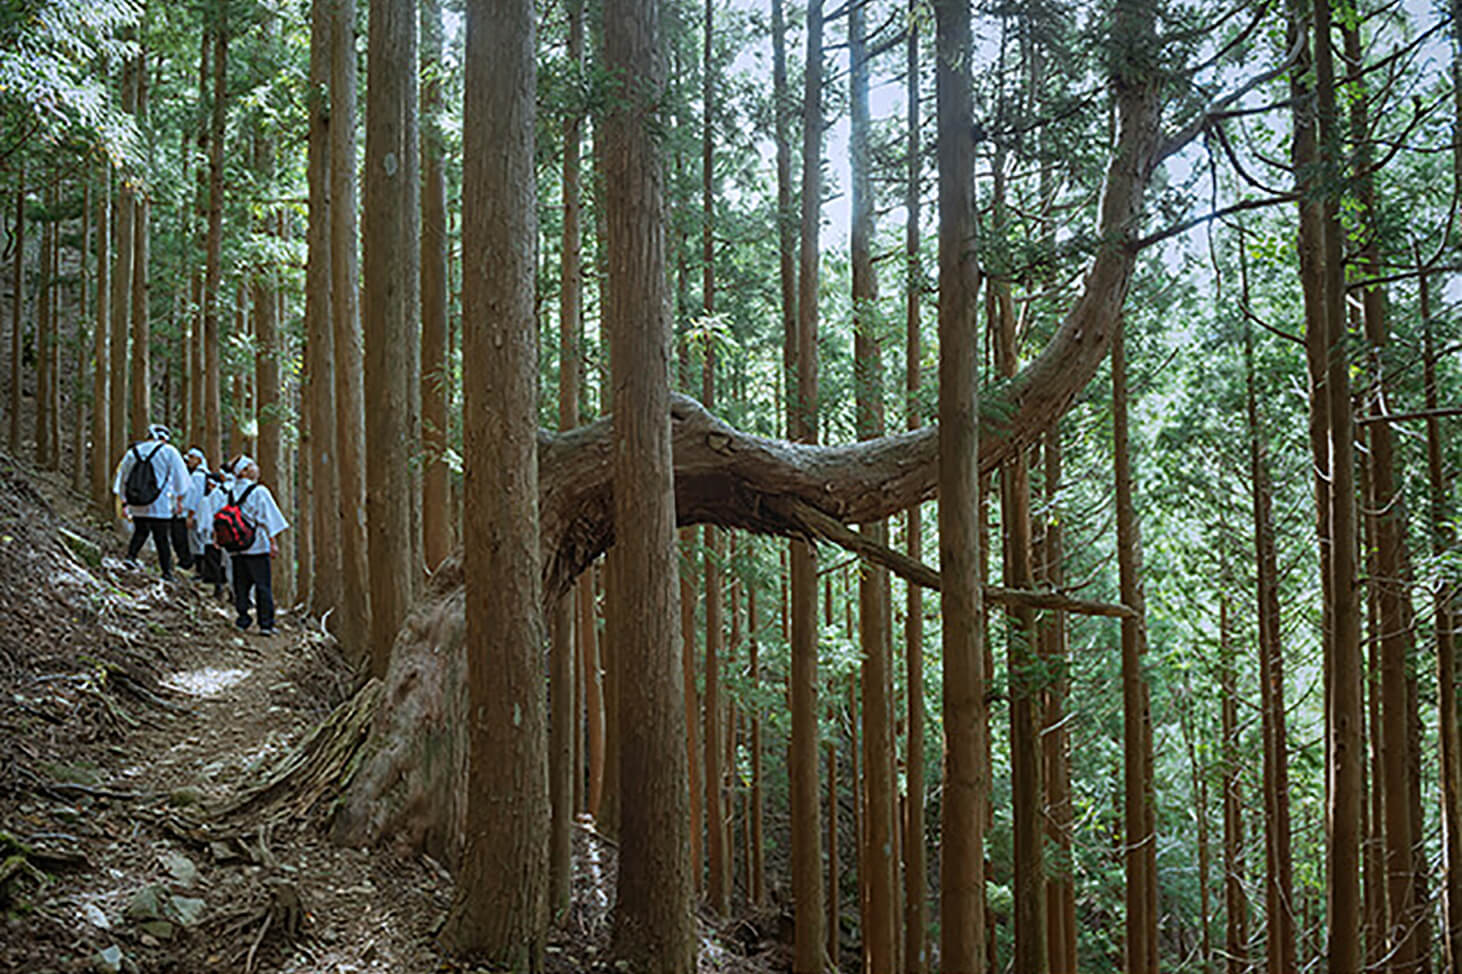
{"points": [[130, 711], [129, 707]]}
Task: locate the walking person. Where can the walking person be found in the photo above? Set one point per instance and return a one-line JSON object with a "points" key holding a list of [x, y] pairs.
{"points": [[253, 523], [151, 481], [182, 529], [211, 562]]}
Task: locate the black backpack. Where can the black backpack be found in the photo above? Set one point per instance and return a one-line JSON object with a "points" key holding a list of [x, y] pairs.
{"points": [[231, 530], [142, 487]]}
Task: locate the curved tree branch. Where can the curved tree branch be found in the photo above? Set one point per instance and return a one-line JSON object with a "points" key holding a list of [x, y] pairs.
{"points": [[727, 477]]}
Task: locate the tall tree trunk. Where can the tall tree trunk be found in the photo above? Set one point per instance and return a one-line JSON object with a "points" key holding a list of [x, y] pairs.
{"points": [[877, 867], [833, 928], [1401, 831], [807, 889], [1138, 796], [756, 872], [593, 695], [391, 251], [690, 701], [140, 410], [1443, 591], [786, 217], [121, 281], [198, 229], [17, 312], [1346, 751], [80, 470], [319, 438], [355, 591], [653, 927], [916, 862], [563, 654], [45, 336], [1198, 781], [1056, 656], [436, 525], [1278, 886], [572, 331], [718, 867], [1236, 907], [241, 405], [213, 275], [1026, 674], [269, 404], [1373, 812], [967, 775], [499, 911], [101, 444]]}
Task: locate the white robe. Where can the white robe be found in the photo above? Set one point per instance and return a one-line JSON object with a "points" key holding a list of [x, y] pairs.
{"points": [[262, 512], [169, 469]]}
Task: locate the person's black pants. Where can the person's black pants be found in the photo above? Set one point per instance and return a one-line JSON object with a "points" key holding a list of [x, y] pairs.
{"points": [[159, 528], [178, 531], [253, 572]]}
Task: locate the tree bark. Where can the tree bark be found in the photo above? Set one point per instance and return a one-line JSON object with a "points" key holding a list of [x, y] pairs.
{"points": [[80, 470], [1278, 885], [1346, 751], [499, 910], [319, 438], [198, 232], [786, 218], [916, 864], [1025, 671], [718, 871], [1443, 620], [807, 890], [1394, 634], [563, 701], [391, 251], [967, 774], [877, 866], [436, 525], [44, 454], [690, 702], [101, 445], [654, 930], [1136, 718], [270, 408], [17, 311], [355, 592], [1056, 654], [1236, 908], [213, 273], [756, 854], [140, 412]]}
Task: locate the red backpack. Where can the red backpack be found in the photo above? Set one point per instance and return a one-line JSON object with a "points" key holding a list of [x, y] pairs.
{"points": [[231, 530]]}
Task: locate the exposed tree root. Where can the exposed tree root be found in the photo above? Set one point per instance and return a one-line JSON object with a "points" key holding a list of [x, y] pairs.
{"points": [[319, 767]]}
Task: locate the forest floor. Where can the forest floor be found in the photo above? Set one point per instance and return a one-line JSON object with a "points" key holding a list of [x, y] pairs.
{"points": [[131, 711]]}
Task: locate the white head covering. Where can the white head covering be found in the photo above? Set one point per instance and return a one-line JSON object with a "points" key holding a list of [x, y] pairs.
{"points": [[244, 462], [159, 432], [196, 454]]}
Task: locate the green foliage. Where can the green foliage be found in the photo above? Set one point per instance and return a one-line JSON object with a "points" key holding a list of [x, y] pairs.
{"points": [[53, 85]]}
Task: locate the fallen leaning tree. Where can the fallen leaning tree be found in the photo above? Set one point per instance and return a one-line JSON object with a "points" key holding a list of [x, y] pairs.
{"points": [[401, 770]]}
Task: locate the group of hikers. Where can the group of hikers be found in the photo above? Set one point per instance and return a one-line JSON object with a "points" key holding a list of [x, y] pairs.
{"points": [[223, 524]]}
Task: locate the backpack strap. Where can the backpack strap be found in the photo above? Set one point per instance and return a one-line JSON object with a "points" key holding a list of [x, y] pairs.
{"points": [[244, 496], [153, 453]]}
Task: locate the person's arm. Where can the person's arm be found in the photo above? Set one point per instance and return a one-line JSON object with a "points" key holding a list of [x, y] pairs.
{"points": [[181, 476]]}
